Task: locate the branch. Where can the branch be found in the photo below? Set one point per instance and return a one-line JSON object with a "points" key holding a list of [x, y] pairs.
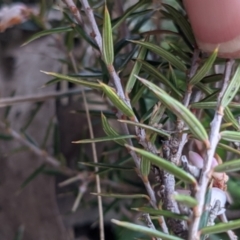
{"points": [[120, 92], [39, 152], [74, 10], [206, 173], [4, 102], [95, 157]]}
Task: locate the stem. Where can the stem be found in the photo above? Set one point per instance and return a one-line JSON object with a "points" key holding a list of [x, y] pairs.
{"points": [[120, 92], [9, 101], [94, 151], [39, 152], [206, 173]]}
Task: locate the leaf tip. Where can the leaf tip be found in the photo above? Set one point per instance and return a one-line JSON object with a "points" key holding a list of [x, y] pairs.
{"points": [[115, 221]]}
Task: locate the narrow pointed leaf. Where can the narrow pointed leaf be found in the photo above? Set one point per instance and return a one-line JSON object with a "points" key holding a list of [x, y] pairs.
{"points": [[71, 79], [228, 148], [204, 105], [164, 54], [32, 176], [230, 136], [110, 131], [178, 51], [117, 101], [141, 125], [145, 230], [145, 167], [232, 88], [229, 166], [206, 67], [186, 200], [120, 195], [128, 13], [182, 22], [159, 76], [104, 139], [228, 117], [108, 52], [165, 165], [221, 227], [105, 165], [136, 69], [161, 213], [180, 110], [48, 32], [83, 35]]}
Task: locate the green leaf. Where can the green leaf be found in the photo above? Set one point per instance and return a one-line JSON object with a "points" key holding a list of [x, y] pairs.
{"points": [[164, 54], [186, 200], [141, 125], [145, 167], [32, 176], [206, 67], [128, 13], [123, 196], [182, 22], [205, 214], [221, 227], [136, 69], [163, 213], [180, 110], [117, 101], [229, 166], [165, 165], [78, 29], [232, 88], [204, 105], [145, 230], [6, 137], [159, 76], [110, 131], [108, 52], [228, 148], [178, 51], [228, 117], [104, 139], [48, 32], [31, 115], [105, 165], [231, 136], [71, 79]]}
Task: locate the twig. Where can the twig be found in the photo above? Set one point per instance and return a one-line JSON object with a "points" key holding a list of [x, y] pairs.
{"points": [[96, 33], [231, 234], [48, 159], [4, 102], [213, 139], [94, 151], [120, 92], [180, 125], [149, 222], [73, 8]]}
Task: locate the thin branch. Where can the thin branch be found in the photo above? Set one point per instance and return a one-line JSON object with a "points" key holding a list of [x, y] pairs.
{"points": [[186, 101], [94, 151], [96, 33], [213, 139], [39, 152], [120, 92], [4, 102], [231, 234], [117, 82], [149, 222], [74, 10]]}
